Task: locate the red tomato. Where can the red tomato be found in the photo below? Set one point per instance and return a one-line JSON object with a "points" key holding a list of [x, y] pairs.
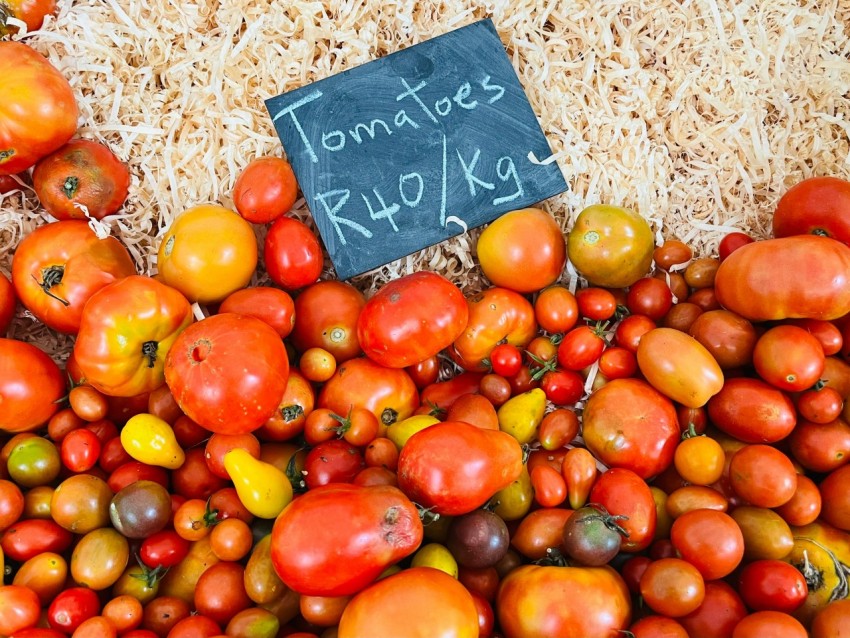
{"points": [[556, 309], [778, 279], [562, 601], [195, 626], [523, 250], [596, 304], [629, 424], [265, 190], [752, 411], [193, 479], [657, 627], [8, 301], [769, 623], [454, 467], [32, 86], [31, 386], [772, 585], [762, 475], [72, 607], [580, 347], [442, 394], [133, 471], [720, 611], [729, 337], [826, 332], [272, 305], [334, 461], [617, 362], [835, 490], [165, 548], [80, 450], [19, 609], [732, 242], [630, 330], [563, 387], [818, 206], [326, 317], [820, 447], [411, 318], [710, 540], [505, 359], [220, 592], [80, 180], [316, 556], [292, 254], [58, 267], [649, 296], [672, 587], [789, 358], [228, 372], [622, 492]]}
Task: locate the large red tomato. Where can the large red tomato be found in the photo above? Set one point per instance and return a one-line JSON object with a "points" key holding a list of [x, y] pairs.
{"points": [[419, 601], [31, 386], [523, 250], [817, 206], [126, 330], [411, 318], [778, 279], [629, 424], [38, 113], [59, 266], [571, 602], [336, 539], [228, 372], [326, 317], [454, 467], [752, 411]]}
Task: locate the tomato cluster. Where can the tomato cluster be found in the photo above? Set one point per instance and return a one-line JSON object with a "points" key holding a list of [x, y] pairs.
{"points": [[657, 444]]}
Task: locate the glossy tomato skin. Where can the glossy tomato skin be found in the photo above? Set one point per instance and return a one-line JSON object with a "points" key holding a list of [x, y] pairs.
{"points": [[752, 411], [523, 250], [326, 317], [292, 254], [82, 177], [33, 536], [265, 190], [422, 600], [272, 305], [228, 372], [538, 600], [622, 492], [8, 301], [772, 585], [777, 279], [317, 556], [454, 467], [59, 266], [31, 385], [39, 112], [334, 461], [126, 331], [19, 608], [817, 206], [629, 424], [72, 607], [411, 319]]}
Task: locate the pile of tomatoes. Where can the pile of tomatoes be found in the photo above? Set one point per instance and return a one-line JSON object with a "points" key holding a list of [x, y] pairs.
{"points": [[657, 444]]}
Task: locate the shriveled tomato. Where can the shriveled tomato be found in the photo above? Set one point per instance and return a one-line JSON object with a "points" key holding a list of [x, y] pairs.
{"points": [[778, 279], [228, 372], [31, 385], [59, 266], [326, 317], [272, 305], [562, 601], [265, 189], [419, 601], [752, 411], [816, 205], [411, 318], [39, 112], [292, 254], [629, 424], [611, 246], [523, 250], [126, 331], [454, 467], [496, 315], [315, 555], [207, 253]]}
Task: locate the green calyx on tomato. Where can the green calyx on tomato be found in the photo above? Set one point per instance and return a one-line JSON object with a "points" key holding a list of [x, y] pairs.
{"points": [[50, 277], [69, 187]]}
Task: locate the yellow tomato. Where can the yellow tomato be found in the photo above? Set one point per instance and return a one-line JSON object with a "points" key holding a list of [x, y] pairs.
{"points": [[263, 489], [149, 439], [208, 253], [401, 431], [521, 415], [514, 501], [436, 556]]}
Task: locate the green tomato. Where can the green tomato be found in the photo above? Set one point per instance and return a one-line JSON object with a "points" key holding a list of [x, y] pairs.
{"points": [[34, 461]]}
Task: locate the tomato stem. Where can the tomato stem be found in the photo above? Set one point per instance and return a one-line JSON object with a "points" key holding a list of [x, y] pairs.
{"points": [[149, 350], [69, 188], [6, 154], [50, 277]]}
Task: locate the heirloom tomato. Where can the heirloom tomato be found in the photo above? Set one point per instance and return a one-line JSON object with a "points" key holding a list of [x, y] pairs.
{"points": [[610, 246], [59, 266], [389, 393], [127, 329], [265, 189], [789, 358], [151, 440], [45, 574], [454, 467], [752, 411], [262, 584], [38, 113], [672, 587], [523, 250], [710, 540], [411, 319], [292, 411], [272, 305], [263, 488], [418, 601], [81, 179], [31, 386], [31, 12], [292, 254], [228, 372], [817, 206], [538, 601], [729, 337], [624, 493], [8, 300], [316, 556], [180, 581], [628, 423], [207, 253], [99, 558], [496, 315], [326, 317], [778, 279]]}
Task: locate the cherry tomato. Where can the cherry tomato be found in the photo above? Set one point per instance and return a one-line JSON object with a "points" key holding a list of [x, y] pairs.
{"points": [[672, 587], [72, 607], [731, 242], [581, 347], [272, 305], [505, 359], [649, 296], [772, 585], [596, 304], [19, 609], [265, 189], [556, 309], [562, 387], [163, 549], [292, 254], [672, 253]]}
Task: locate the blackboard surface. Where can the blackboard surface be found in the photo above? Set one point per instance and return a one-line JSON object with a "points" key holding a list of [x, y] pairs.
{"points": [[413, 148]]}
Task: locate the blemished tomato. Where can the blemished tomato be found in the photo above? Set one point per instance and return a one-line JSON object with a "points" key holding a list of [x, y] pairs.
{"points": [[32, 12], [265, 189], [562, 601], [316, 556], [411, 319], [777, 279], [207, 253], [672, 587], [271, 305], [752, 411], [762, 475], [772, 585], [817, 206], [31, 385], [19, 609], [326, 317], [296, 404], [611, 246], [228, 372], [523, 250], [710, 540], [33, 85], [292, 254], [423, 600], [556, 309], [624, 493]]}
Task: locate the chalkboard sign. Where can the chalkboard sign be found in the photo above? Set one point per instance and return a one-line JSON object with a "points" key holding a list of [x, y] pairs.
{"points": [[413, 148]]}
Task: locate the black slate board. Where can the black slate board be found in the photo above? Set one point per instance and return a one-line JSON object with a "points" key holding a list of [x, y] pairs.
{"points": [[413, 148]]}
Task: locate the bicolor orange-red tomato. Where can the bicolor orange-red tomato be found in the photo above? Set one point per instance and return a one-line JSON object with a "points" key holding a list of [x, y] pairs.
{"points": [[326, 317], [624, 493], [31, 386]]}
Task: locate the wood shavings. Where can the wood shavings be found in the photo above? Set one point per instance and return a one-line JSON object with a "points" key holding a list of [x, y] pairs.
{"points": [[697, 113]]}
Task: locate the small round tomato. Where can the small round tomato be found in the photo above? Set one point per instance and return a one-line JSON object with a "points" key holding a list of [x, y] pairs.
{"points": [[581, 347], [772, 585], [617, 362], [649, 296], [710, 540], [505, 359], [672, 253], [769, 623], [80, 450], [820, 405], [207, 253], [163, 549], [596, 304], [720, 611], [271, 305], [562, 387], [265, 189], [556, 309], [672, 587], [523, 250], [220, 593], [292, 254], [699, 460], [334, 461], [326, 316], [789, 358], [630, 330], [731, 242]]}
